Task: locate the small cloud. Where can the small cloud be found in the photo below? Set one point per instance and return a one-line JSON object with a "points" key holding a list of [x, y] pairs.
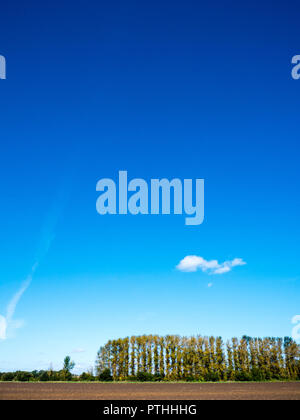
{"points": [[192, 263], [3, 327], [296, 329], [295, 319], [237, 261], [210, 285], [78, 350], [221, 270], [7, 323]]}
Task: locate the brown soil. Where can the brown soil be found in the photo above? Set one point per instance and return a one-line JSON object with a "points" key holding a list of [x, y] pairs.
{"points": [[151, 391]]}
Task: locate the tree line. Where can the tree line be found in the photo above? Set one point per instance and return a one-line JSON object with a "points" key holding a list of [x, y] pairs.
{"points": [[173, 358], [42, 375]]}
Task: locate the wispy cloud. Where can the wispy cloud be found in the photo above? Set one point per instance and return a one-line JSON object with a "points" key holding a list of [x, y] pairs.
{"points": [[78, 350], [296, 329], [192, 263], [3, 327], [7, 323]]}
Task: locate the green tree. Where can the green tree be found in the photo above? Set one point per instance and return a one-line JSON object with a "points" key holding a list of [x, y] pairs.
{"points": [[68, 364], [105, 376], [67, 367]]}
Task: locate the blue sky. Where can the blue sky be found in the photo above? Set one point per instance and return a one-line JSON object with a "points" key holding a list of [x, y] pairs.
{"points": [[160, 89]]}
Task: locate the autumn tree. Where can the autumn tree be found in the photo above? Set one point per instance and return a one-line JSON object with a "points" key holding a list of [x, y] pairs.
{"points": [[198, 358]]}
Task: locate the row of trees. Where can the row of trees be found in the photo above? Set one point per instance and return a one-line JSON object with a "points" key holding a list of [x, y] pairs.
{"points": [[172, 358], [54, 376], [199, 358], [42, 375]]}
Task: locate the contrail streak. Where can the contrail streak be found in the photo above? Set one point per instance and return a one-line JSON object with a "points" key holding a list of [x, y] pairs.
{"points": [[11, 307], [47, 237]]}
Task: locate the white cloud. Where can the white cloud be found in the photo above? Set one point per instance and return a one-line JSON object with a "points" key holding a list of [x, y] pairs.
{"points": [[14, 301], [7, 323], [237, 261], [3, 328], [78, 350], [210, 285], [296, 329], [221, 270], [192, 263]]}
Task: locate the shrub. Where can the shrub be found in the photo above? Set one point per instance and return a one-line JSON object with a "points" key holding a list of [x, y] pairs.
{"points": [[243, 376], [43, 376], [63, 375], [257, 375], [105, 376], [23, 376], [144, 377], [191, 379], [131, 378], [7, 376], [86, 377], [212, 377], [35, 374]]}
